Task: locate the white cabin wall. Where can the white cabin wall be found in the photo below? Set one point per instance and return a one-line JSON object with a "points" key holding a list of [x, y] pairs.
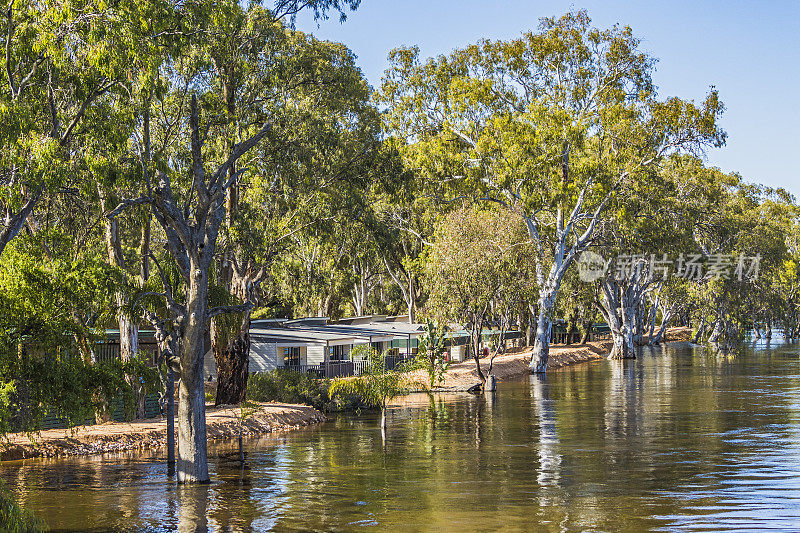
{"points": [[315, 354], [263, 356]]}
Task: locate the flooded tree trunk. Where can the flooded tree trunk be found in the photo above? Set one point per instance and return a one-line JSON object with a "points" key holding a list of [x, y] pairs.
{"points": [[618, 347], [191, 241], [653, 315], [544, 326], [717, 332], [616, 305], [541, 345], [700, 330], [192, 453], [667, 314], [547, 302], [639, 322]]}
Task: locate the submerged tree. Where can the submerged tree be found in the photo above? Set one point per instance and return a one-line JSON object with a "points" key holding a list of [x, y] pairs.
{"points": [[188, 197]]}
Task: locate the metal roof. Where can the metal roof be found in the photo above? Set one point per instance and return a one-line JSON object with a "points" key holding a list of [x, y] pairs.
{"points": [[357, 330], [318, 334]]}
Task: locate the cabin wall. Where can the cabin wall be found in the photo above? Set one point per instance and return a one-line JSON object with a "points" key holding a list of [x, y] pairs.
{"points": [[263, 356], [315, 354]]}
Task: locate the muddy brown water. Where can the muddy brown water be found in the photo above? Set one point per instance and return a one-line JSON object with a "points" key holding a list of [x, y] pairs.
{"points": [[680, 439]]}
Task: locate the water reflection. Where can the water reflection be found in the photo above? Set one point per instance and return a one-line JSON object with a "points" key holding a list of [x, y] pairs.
{"points": [[549, 457], [679, 439], [192, 506]]}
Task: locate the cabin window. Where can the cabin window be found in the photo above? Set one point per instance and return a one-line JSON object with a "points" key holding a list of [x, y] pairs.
{"points": [[338, 353], [291, 356]]}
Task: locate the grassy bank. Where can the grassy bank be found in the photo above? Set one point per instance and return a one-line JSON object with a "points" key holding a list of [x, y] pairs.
{"points": [[15, 519]]}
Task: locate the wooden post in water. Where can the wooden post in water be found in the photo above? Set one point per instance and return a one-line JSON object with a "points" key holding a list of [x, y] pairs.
{"points": [[170, 422]]}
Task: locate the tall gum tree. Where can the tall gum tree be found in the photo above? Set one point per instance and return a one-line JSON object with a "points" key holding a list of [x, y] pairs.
{"points": [[191, 229], [549, 125], [324, 132]]}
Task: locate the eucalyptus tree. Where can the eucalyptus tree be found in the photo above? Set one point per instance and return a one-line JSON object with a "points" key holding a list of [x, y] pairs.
{"points": [[637, 238], [407, 215], [742, 238], [186, 188], [669, 301], [788, 286], [472, 267], [320, 152], [550, 125], [60, 62], [578, 305]]}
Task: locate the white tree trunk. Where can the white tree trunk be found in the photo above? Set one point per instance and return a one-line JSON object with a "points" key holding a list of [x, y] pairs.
{"points": [[547, 303], [541, 346], [128, 337]]}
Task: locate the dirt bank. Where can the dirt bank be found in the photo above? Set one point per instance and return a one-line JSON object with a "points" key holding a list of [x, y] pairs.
{"points": [[461, 376], [221, 422]]}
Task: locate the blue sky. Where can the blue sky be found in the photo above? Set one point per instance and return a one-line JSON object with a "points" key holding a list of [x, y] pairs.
{"points": [[749, 50]]}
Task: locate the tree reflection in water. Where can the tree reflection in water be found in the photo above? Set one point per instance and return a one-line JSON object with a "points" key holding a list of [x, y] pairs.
{"points": [[674, 439], [193, 507], [549, 471]]}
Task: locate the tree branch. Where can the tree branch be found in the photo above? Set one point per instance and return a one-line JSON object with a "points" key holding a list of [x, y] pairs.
{"points": [[221, 309]]}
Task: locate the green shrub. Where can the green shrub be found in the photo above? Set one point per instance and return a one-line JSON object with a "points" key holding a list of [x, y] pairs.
{"points": [[374, 387], [289, 386], [36, 385], [15, 519]]}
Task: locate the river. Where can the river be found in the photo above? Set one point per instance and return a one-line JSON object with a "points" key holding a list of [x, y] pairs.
{"points": [[679, 439]]}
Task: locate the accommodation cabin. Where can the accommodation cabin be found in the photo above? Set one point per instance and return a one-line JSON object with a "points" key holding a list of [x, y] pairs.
{"points": [[323, 346]]}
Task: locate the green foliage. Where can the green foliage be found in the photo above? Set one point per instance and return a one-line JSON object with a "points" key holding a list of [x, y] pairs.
{"points": [[375, 386], [430, 353], [15, 519], [49, 312], [38, 384], [477, 256], [288, 386]]}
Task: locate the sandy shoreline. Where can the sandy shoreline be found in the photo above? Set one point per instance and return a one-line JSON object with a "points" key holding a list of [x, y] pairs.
{"points": [[462, 376], [151, 433]]}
